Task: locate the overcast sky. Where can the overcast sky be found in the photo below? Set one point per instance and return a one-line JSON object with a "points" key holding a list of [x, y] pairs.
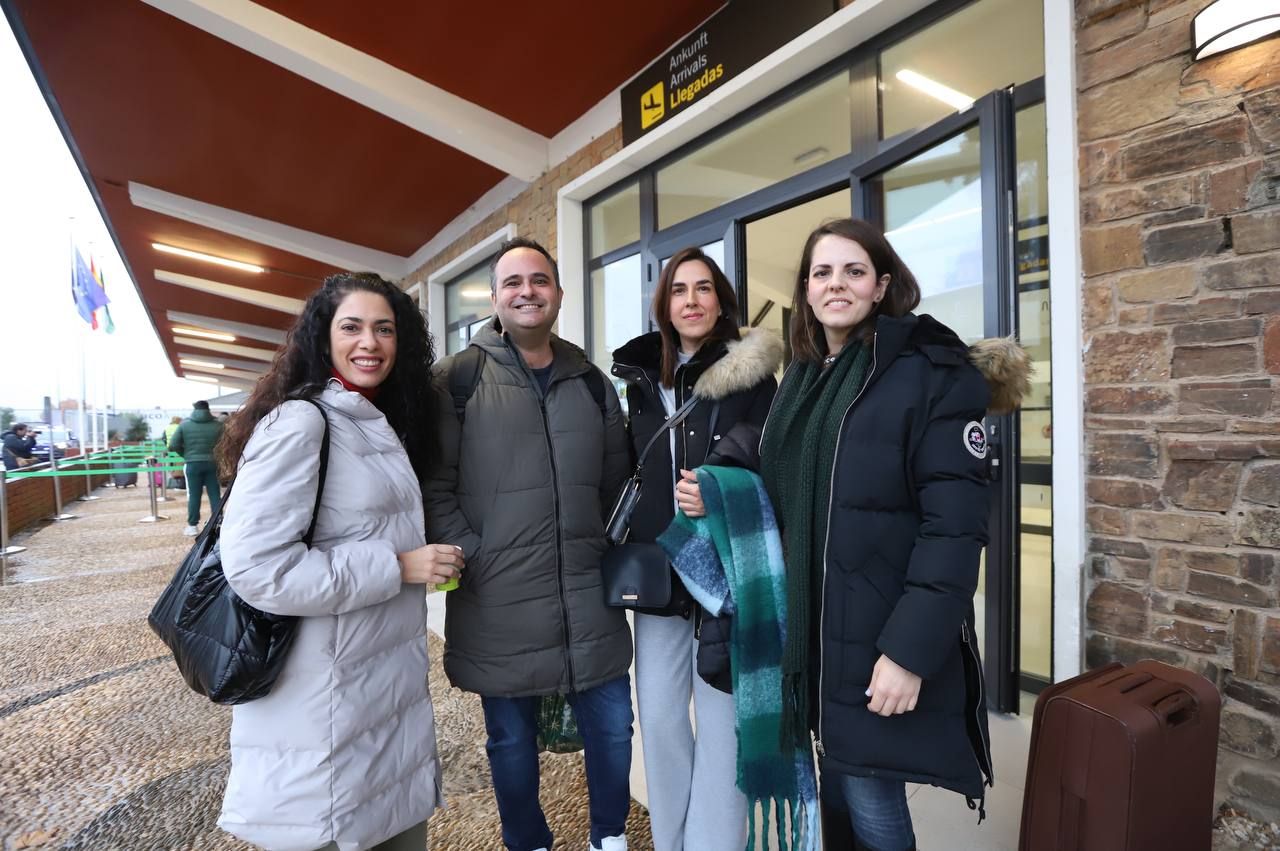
{"points": [[41, 335]]}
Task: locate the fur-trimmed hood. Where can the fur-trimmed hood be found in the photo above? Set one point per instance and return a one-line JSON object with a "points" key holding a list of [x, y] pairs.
{"points": [[744, 364], [1007, 368], [1001, 360]]}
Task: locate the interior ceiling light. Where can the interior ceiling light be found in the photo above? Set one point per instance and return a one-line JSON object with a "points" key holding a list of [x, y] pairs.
{"points": [[474, 292], [202, 378], [204, 364], [813, 155], [1227, 24], [934, 89], [208, 258], [208, 335]]}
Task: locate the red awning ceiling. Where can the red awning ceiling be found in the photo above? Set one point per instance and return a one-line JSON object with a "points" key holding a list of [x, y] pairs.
{"points": [[150, 99]]}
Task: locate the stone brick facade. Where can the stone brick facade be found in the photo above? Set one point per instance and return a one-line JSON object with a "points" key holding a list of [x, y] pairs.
{"points": [[1180, 180], [533, 211]]}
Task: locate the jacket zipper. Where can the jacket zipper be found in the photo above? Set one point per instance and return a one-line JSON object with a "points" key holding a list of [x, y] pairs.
{"points": [[555, 489], [826, 544], [983, 758]]}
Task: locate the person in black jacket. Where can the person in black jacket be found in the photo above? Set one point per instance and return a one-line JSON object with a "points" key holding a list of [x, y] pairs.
{"points": [[875, 458], [17, 446], [697, 351]]}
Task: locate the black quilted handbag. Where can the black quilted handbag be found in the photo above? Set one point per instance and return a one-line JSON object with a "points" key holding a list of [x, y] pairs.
{"points": [[639, 576], [225, 649]]}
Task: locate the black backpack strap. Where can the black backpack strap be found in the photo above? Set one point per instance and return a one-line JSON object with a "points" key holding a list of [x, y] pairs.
{"points": [[464, 375], [324, 467], [595, 384]]}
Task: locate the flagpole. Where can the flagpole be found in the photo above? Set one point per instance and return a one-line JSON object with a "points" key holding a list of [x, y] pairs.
{"points": [[71, 237]]}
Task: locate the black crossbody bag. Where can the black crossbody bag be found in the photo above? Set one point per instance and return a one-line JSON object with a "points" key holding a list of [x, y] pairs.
{"points": [[639, 576]]}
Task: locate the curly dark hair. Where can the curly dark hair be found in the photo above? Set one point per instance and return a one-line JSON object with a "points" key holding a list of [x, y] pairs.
{"points": [[302, 368]]}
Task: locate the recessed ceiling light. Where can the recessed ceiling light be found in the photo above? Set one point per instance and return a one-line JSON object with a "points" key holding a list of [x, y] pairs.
{"points": [[934, 89], [208, 335], [202, 378], [208, 258], [204, 364], [1227, 24], [473, 292]]}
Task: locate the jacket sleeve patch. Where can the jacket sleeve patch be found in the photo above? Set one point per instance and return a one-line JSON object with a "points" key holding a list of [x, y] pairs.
{"points": [[975, 439]]}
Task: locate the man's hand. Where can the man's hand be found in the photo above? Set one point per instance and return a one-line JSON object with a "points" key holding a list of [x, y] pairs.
{"points": [[893, 689]]}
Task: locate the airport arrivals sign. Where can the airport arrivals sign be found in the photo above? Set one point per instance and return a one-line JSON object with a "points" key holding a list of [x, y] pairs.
{"points": [[732, 40]]}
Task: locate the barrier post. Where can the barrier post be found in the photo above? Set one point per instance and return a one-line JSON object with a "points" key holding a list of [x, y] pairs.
{"points": [[164, 475], [58, 514], [86, 458], [5, 549], [111, 463], [151, 493]]}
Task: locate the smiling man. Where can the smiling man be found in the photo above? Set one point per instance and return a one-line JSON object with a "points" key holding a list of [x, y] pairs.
{"points": [[534, 451]]}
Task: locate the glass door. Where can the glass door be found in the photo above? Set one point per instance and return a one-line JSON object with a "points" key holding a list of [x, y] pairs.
{"points": [[944, 200], [772, 253]]}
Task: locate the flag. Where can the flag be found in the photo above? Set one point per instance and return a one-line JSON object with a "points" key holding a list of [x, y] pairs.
{"points": [[86, 291], [102, 283]]}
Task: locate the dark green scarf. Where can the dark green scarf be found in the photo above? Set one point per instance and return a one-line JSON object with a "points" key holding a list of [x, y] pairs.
{"points": [[796, 458]]}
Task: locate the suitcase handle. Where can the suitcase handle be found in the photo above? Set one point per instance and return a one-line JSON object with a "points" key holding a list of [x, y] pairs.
{"points": [[1175, 709]]}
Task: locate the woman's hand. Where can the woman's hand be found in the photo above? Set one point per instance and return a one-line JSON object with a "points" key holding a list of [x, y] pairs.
{"points": [[689, 495], [893, 689], [434, 564]]}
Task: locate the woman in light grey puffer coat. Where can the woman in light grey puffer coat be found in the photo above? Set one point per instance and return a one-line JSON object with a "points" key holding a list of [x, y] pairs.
{"points": [[342, 752]]}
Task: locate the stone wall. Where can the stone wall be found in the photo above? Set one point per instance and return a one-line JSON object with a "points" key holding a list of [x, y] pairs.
{"points": [[1180, 178], [534, 210]]}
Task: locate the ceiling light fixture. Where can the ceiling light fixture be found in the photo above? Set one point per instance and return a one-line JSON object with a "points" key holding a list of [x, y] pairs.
{"points": [[473, 292], [204, 364], [1227, 24], [208, 258], [202, 379], [208, 335], [934, 89]]}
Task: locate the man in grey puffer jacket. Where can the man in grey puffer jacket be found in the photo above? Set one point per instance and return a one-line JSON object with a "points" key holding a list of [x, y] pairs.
{"points": [[526, 480]]}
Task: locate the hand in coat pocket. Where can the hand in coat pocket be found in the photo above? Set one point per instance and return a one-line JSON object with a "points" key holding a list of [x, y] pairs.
{"points": [[893, 689]]}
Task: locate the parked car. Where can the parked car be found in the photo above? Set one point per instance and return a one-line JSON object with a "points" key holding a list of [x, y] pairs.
{"points": [[60, 437]]}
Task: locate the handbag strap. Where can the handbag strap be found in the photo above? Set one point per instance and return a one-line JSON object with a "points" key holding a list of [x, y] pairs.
{"points": [[324, 467], [673, 420], [216, 521]]}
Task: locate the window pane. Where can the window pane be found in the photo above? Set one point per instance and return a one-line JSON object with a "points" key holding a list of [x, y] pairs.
{"points": [[983, 47], [774, 244], [617, 308], [933, 216], [615, 221], [467, 297], [1036, 444], [808, 130]]}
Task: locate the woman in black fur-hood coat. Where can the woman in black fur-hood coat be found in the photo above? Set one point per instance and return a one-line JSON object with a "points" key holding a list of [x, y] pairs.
{"points": [[731, 373], [875, 456]]}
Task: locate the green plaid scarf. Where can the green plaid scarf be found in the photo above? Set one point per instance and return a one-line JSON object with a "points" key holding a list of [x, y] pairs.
{"points": [[796, 456], [731, 562]]}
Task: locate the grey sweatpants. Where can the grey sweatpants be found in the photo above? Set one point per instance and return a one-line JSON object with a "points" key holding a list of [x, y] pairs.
{"points": [[686, 774]]}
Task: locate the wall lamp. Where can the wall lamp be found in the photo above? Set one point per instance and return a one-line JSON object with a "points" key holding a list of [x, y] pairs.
{"points": [[1227, 24]]}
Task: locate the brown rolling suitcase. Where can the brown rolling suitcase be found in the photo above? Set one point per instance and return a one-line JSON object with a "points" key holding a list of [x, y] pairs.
{"points": [[1122, 759]]}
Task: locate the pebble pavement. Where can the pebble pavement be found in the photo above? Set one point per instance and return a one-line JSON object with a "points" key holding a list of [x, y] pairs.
{"points": [[102, 746]]}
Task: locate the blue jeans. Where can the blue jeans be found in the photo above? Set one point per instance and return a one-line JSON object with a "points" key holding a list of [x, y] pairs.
{"points": [[604, 720], [875, 807]]}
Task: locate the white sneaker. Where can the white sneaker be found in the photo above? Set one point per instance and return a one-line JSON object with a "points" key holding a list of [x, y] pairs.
{"points": [[191, 531], [612, 843]]}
